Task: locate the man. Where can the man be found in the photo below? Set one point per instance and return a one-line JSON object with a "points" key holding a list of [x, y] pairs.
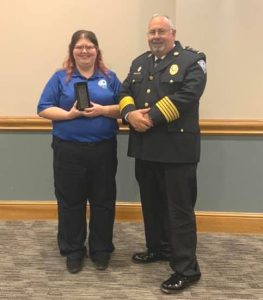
{"points": [[160, 101]]}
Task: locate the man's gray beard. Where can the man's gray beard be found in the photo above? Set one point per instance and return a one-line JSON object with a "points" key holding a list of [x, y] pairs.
{"points": [[156, 49]]}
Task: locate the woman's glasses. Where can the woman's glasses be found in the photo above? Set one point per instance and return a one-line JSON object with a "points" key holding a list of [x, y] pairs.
{"points": [[80, 48]]}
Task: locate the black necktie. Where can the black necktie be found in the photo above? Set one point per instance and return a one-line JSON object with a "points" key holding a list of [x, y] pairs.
{"points": [[156, 62]]}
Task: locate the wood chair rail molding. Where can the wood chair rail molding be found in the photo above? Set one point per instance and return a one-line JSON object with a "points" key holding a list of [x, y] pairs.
{"points": [[248, 127]]}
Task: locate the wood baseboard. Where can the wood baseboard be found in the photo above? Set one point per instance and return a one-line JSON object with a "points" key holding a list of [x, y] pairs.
{"points": [[251, 223]]}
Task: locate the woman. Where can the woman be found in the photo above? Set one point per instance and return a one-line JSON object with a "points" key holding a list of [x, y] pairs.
{"points": [[84, 152]]}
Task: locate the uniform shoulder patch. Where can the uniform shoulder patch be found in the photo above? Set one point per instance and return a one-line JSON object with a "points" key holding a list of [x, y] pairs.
{"points": [[188, 48], [202, 64]]}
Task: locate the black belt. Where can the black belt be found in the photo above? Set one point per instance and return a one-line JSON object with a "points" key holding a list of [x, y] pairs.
{"points": [[84, 144]]}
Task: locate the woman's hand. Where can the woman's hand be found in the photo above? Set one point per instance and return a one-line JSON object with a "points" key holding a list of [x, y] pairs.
{"points": [[94, 111], [74, 113]]}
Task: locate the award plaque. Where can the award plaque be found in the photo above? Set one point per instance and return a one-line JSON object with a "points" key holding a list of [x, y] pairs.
{"points": [[82, 95]]}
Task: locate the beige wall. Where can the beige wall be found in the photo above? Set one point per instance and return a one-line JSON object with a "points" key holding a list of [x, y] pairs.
{"points": [[35, 35], [230, 32]]}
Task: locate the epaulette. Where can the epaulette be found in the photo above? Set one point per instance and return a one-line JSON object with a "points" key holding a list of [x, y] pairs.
{"points": [[147, 54], [188, 48]]}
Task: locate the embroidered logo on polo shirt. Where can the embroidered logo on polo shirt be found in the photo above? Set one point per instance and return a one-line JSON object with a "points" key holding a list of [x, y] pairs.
{"points": [[102, 83]]}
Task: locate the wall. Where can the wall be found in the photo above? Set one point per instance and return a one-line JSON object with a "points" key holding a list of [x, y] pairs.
{"points": [[36, 34], [230, 173], [229, 32], [35, 37]]}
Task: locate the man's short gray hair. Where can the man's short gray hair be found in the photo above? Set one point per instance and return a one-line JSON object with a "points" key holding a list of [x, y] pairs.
{"points": [[166, 17]]}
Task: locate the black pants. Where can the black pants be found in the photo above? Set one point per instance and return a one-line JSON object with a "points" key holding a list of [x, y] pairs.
{"points": [[168, 195], [85, 171]]}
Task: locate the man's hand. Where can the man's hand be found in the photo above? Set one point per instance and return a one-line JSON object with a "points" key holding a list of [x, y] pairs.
{"points": [[139, 119]]}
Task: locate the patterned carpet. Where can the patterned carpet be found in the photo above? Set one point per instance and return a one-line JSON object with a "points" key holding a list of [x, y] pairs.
{"points": [[31, 267]]}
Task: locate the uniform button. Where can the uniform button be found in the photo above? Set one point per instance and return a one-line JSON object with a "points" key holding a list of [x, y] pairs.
{"points": [[148, 91], [133, 80], [150, 77], [171, 81], [176, 53], [182, 130], [146, 104]]}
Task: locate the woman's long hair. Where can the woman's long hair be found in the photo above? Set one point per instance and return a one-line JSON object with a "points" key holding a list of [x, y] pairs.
{"points": [[69, 64]]}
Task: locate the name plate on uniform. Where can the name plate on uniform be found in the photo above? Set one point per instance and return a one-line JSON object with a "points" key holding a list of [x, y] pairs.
{"points": [[82, 95]]}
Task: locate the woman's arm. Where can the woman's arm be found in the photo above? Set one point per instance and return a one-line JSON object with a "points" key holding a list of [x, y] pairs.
{"points": [[57, 114], [111, 111]]}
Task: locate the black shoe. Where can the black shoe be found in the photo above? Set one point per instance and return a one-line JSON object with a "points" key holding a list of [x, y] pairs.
{"points": [[101, 261], [149, 257], [74, 265], [178, 282]]}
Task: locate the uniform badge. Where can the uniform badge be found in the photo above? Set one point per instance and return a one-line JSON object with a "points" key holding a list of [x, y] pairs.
{"points": [[139, 69], [173, 69], [202, 64]]}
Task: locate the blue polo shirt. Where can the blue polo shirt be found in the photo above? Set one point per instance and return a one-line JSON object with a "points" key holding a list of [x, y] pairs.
{"points": [[103, 89]]}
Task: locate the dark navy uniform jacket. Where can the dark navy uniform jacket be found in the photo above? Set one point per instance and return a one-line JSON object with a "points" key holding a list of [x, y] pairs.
{"points": [[172, 90]]}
